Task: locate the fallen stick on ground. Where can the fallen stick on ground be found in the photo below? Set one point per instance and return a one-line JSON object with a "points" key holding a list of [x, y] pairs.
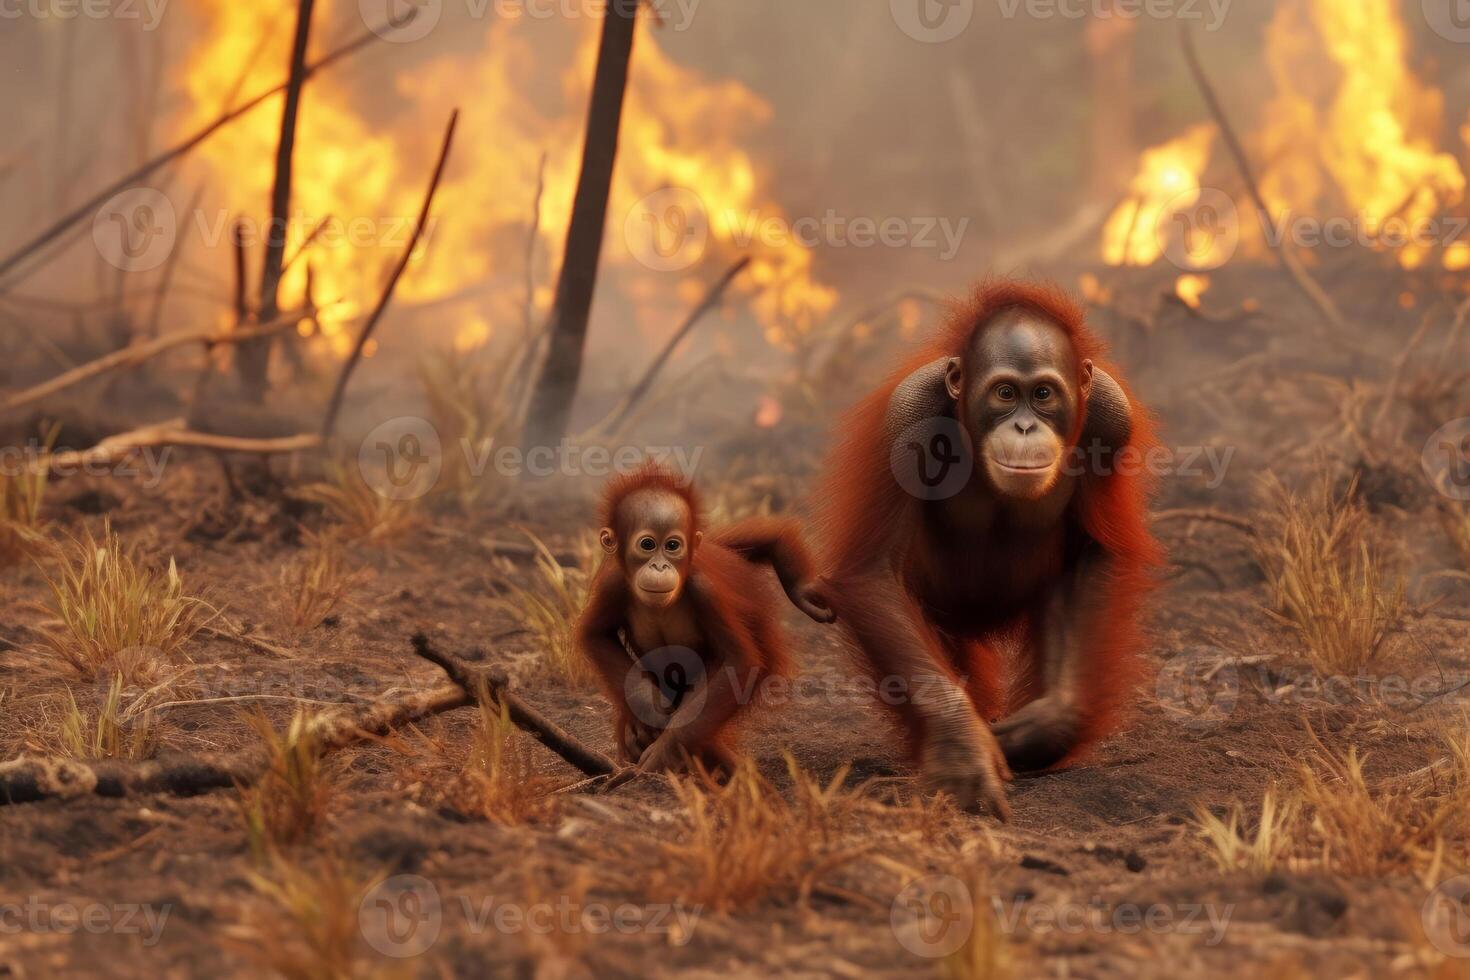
{"points": [[478, 681], [135, 354], [32, 778], [116, 448], [1218, 517]]}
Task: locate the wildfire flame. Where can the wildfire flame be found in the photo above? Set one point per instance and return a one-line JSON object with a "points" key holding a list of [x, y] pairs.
{"points": [[364, 161], [1350, 129], [1168, 182]]}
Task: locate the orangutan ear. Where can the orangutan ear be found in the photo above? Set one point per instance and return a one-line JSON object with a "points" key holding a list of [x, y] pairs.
{"points": [[954, 378], [608, 540], [1086, 388], [694, 542]]}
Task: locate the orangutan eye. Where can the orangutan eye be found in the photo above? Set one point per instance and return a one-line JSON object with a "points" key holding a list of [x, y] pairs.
{"points": [[646, 543], [673, 546], [1042, 393], [1006, 393]]}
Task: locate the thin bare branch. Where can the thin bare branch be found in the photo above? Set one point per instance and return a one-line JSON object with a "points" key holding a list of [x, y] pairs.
{"points": [[89, 207], [334, 406]]}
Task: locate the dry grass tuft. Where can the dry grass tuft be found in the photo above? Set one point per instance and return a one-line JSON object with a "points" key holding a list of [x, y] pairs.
{"points": [[362, 513], [291, 801], [500, 781], [471, 407], [109, 732], [317, 582], [987, 952], [1335, 819], [1329, 578], [21, 496], [310, 928], [1234, 849], [116, 614], [1400, 825], [745, 842], [548, 610]]}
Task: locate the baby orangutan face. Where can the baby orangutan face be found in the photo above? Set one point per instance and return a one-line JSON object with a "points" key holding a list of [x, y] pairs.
{"points": [[656, 538]]}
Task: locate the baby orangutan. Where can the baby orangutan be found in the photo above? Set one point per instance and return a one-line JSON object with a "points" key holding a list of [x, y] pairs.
{"points": [[683, 632]]}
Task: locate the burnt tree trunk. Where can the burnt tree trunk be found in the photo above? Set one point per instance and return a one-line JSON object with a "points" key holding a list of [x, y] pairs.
{"points": [[556, 386], [252, 359]]}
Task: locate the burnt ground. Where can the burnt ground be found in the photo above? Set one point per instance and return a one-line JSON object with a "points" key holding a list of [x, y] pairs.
{"points": [[1089, 851]]}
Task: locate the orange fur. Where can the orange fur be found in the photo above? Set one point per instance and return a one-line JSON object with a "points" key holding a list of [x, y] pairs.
{"points": [[733, 600], [865, 518]]}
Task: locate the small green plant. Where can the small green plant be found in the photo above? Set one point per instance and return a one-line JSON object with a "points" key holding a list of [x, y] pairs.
{"points": [[115, 613]]}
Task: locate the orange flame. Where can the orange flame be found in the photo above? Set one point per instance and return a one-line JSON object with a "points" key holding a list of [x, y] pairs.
{"points": [[1349, 127], [365, 164]]}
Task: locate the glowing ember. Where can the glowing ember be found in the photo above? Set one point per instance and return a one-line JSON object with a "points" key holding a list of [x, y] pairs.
{"points": [[1190, 288], [768, 412]]}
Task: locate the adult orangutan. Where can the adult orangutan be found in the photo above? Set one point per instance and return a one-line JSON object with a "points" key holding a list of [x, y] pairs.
{"points": [[990, 497]]}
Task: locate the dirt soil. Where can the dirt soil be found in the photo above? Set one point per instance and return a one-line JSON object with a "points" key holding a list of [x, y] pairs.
{"points": [[1099, 873]]}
